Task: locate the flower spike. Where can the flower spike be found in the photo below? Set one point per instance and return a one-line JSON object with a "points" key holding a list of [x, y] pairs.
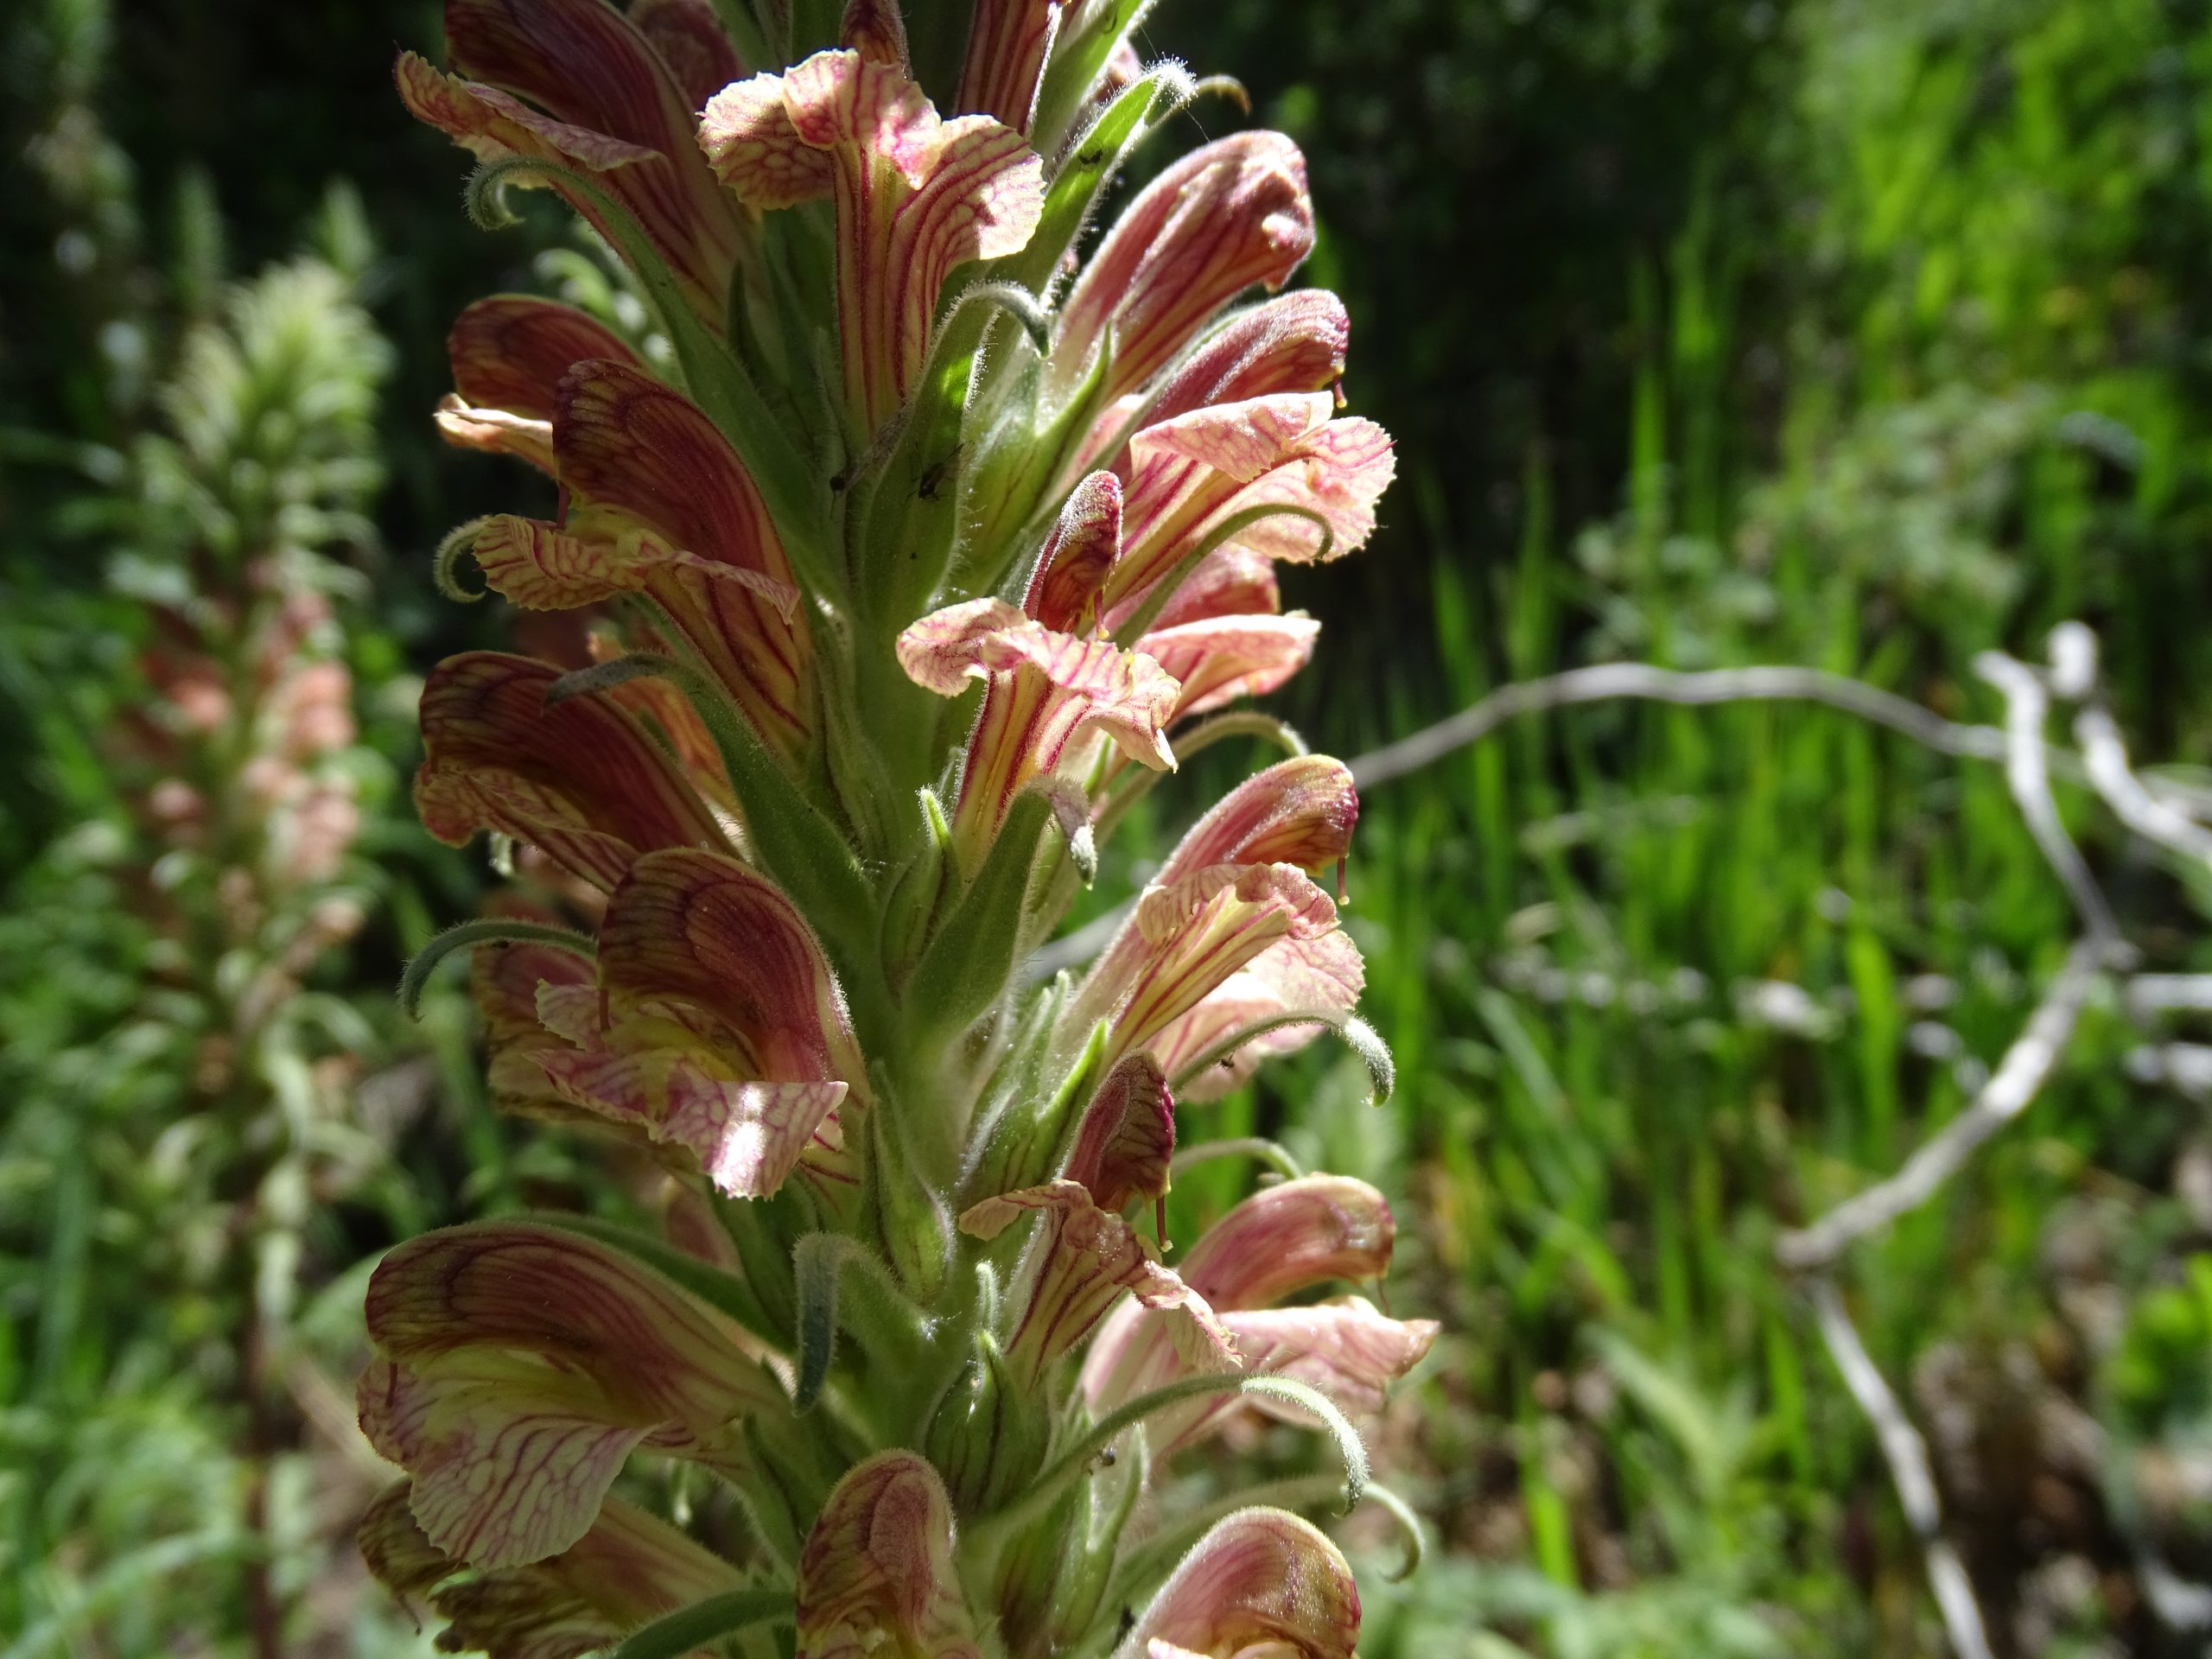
{"points": [[865, 616]]}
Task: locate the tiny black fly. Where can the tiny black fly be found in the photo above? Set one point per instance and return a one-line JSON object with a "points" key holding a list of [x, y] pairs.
{"points": [[932, 478]]}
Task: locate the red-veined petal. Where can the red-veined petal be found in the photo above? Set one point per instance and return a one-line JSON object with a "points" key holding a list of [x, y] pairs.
{"points": [[626, 442], [707, 930], [1228, 215], [876, 1573], [1077, 1263], [630, 1568], [1217, 660], [689, 40], [915, 197], [586, 64], [520, 1366], [1127, 1137], [1008, 43], [1262, 1581], [1072, 571], [577, 779]]}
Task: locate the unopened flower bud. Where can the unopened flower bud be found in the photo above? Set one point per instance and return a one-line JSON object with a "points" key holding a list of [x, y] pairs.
{"points": [[988, 1436]]}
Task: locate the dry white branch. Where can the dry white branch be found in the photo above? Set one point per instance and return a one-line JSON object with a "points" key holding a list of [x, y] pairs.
{"points": [[2104, 758], [1906, 1453], [2027, 704], [2018, 1076], [1639, 682], [2149, 993]]}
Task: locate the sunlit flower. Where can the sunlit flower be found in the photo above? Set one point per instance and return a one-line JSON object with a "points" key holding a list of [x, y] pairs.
{"points": [[1321, 1229], [914, 197]]}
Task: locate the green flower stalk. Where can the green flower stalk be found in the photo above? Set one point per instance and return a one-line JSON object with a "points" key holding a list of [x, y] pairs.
{"points": [[925, 545]]}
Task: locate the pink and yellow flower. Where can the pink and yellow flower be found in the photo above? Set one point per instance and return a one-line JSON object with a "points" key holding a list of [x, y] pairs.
{"points": [[914, 197]]}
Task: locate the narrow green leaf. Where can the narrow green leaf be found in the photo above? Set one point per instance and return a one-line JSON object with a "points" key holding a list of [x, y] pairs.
{"points": [[971, 960], [703, 1622]]}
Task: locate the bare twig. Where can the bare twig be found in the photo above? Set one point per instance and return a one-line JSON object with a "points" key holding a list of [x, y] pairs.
{"points": [[2026, 1063], [1612, 682], [2151, 993], [2027, 773], [2104, 758], [1906, 1453]]}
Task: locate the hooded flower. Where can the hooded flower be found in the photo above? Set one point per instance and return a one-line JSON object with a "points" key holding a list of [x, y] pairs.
{"points": [[915, 197], [1281, 1241], [577, 779], [876, 1576], [660, 505], [1230, 214], [1050, 682], [1080, 1259], [509, 354], [576, 83], [1261, 1584], [518, 1367], [627, 1570], [716, 1025], [1169, 982], [1191, 473]]}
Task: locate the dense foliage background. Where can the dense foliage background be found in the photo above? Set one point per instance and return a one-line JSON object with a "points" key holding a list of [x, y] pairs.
{"points": [[1858, 334]]}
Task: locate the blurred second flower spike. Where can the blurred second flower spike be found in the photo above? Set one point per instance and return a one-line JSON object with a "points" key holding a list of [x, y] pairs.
{"points": [[913, 552]]}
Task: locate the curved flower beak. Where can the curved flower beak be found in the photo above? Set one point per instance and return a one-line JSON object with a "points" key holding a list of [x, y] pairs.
{"points": [[876, 1575], [915, 197], [577, 83], [629, 1569], [578, 779], [509, 353], [1228, 215], [1262, 1582], [520, 1366]]}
